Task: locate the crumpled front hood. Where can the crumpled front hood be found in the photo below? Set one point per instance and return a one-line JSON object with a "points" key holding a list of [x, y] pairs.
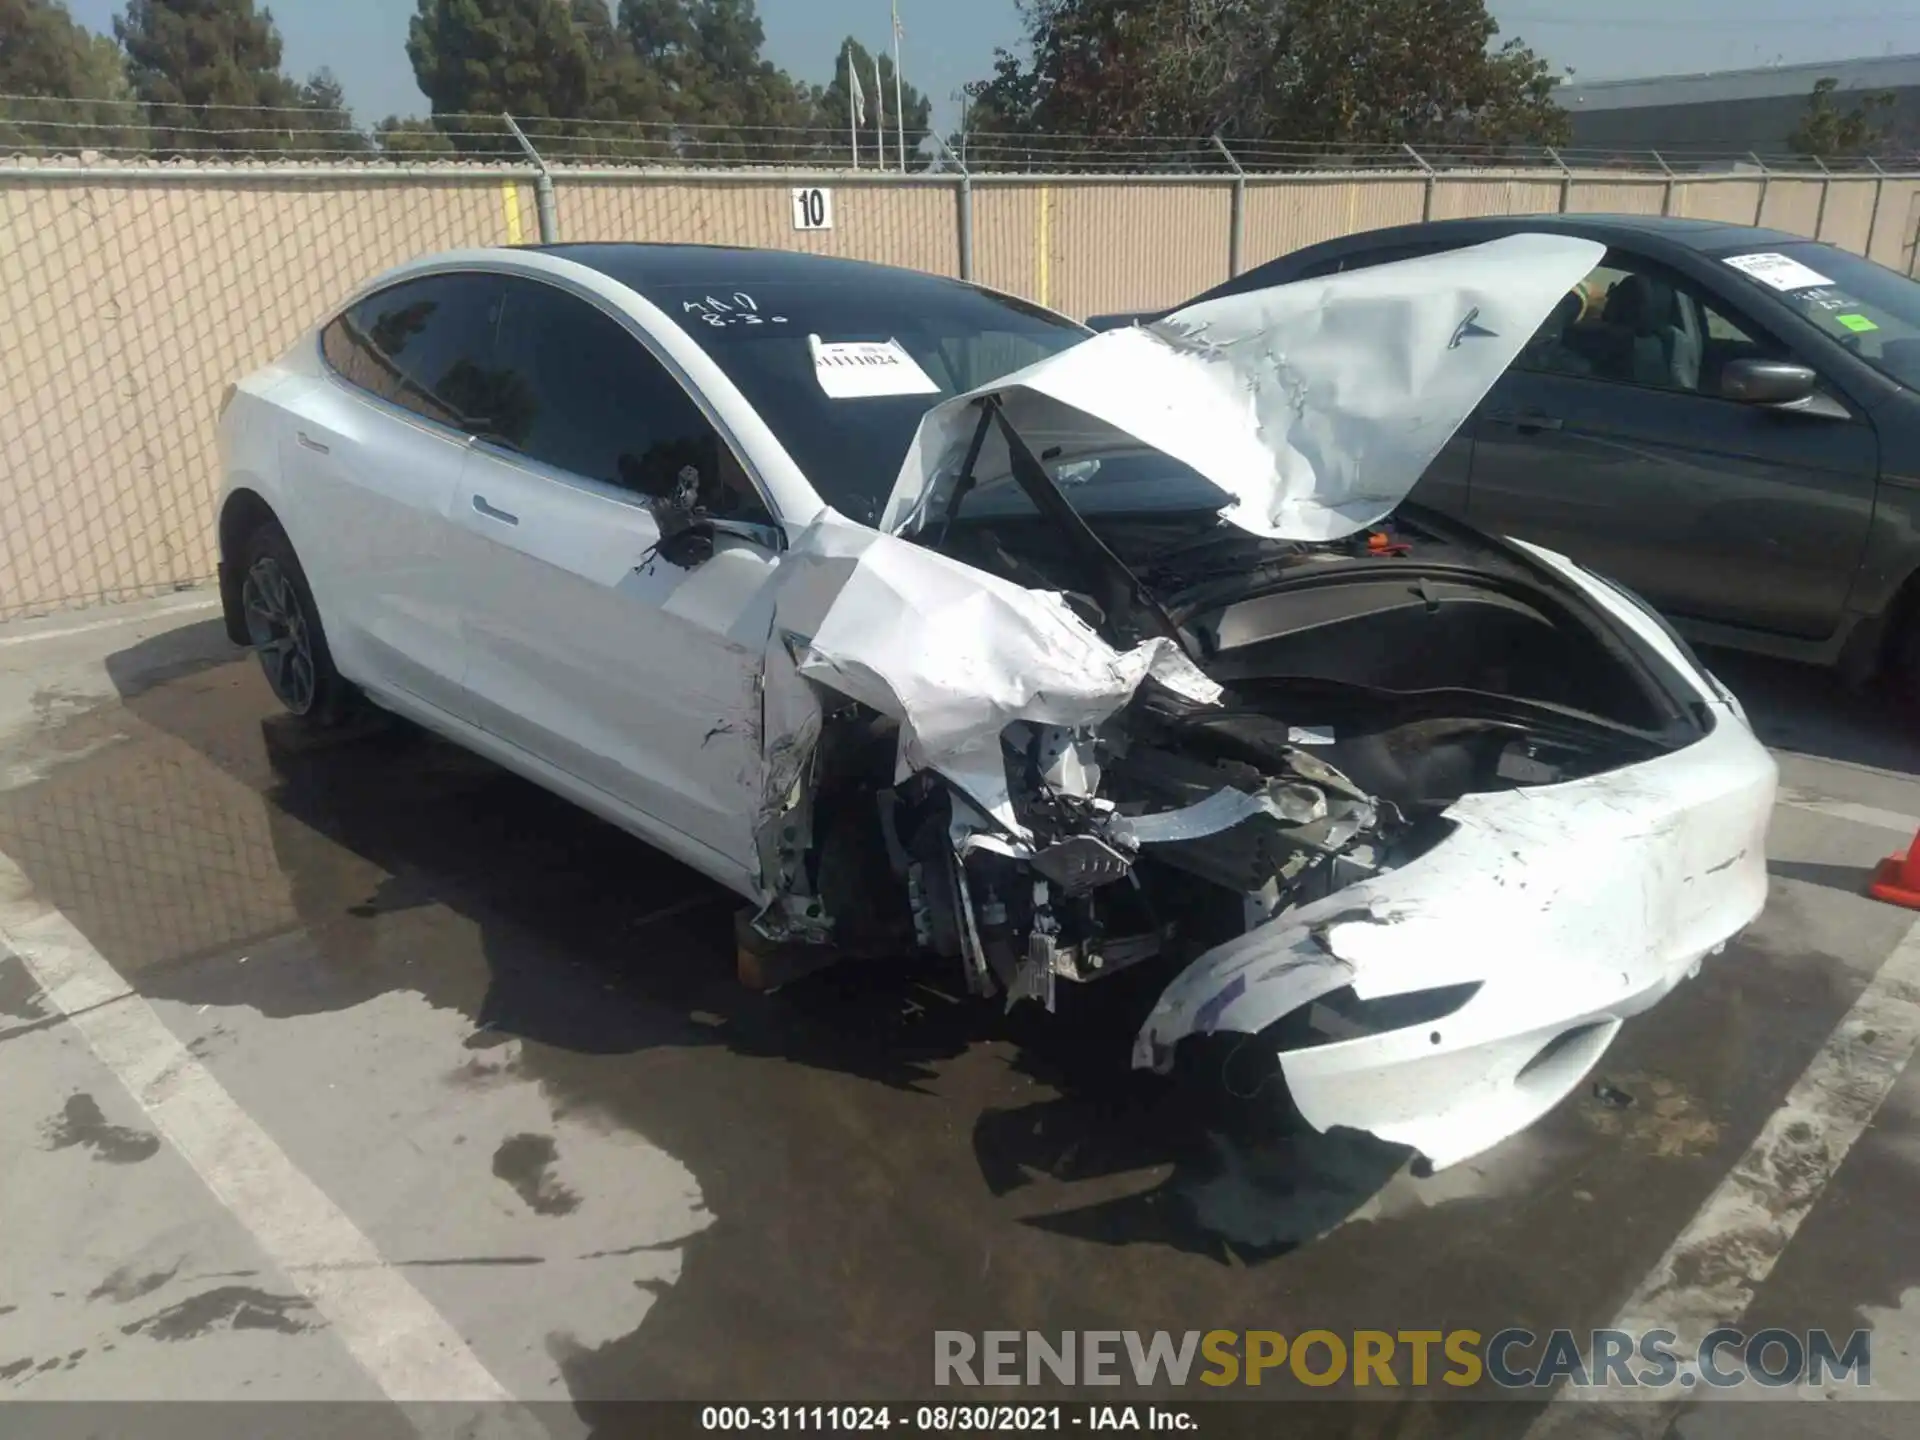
{"points": [[1315, 407]]}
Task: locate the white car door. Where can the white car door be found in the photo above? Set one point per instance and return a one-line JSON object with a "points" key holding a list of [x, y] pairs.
{"points": [[372, 451], [587, 646]]}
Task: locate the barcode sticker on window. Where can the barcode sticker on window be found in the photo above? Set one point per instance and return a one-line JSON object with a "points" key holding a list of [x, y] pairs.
{"points": [[861, 369], [1782, 272]]}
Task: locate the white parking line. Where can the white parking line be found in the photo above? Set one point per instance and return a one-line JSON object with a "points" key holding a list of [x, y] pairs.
{"points": [[116, 622], [1859, 814], [406, 1346], [1708, 1275]]}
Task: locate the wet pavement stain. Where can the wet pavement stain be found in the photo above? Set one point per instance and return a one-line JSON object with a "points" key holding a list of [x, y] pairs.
{"points": [[478, 1072], [526, 1162], [122, 1286], [1658, 1116], [82, 1123], [20, 994], [230, 1307], [880, 1166]]}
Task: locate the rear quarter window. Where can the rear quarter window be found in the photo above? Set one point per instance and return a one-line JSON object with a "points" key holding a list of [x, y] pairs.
{"points": [[424, 344]]}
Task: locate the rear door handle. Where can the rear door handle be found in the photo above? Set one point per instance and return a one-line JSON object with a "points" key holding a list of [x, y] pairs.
{"points": [[312, 444], [1529, 422], [494, 513]]}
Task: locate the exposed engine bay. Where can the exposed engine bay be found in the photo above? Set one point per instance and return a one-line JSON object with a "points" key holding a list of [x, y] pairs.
{"points": [[1367, 684]]}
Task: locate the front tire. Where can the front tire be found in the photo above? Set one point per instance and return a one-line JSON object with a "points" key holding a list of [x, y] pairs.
{"points": [[284, 630]]}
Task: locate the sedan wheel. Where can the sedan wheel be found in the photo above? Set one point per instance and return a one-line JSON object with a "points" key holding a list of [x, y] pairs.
{"points": [[284, 628], [281, 634]]}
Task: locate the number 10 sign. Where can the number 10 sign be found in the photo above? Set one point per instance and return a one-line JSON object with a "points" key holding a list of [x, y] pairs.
{"points": [[812, 208]]}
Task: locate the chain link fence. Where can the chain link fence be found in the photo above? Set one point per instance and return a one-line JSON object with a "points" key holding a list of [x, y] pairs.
{"points": [[135, 288]]}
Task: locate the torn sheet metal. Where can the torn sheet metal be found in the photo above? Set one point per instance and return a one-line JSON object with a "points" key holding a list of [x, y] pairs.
{"points": [[1314, 407], [1573, 906], [1224, 809], [952, 653]]}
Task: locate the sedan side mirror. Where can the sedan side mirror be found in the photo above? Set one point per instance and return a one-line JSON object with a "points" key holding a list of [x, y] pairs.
{"points": [[688, 547], [1767, 382]]}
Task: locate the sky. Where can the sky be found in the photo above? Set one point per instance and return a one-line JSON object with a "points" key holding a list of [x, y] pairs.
{"points": [[949, 42]]}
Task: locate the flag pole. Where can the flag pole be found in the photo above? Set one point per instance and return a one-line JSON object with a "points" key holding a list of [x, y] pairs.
{"points": [[880, 113], [853, 111], [899, 106]]}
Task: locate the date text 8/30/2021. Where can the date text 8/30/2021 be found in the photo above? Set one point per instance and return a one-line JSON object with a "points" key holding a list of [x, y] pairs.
{"points": [[946, 1419]]}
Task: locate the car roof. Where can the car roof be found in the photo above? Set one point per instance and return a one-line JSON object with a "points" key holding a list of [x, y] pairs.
{"points": [[1654, 233], [1692, 234], [646, 266]]}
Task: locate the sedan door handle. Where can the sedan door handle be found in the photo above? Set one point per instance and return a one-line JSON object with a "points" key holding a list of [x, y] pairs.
{"points": [[493, 513], [312, 444], [1529, 422]]}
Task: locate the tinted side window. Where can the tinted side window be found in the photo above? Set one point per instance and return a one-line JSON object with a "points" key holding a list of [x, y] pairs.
{"points": [[1367, 259], [1633, 323], [425, 344], [596, 403]]}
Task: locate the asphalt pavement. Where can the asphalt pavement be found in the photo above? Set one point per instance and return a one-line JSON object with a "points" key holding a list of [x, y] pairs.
{"points": [[367, 1072]]}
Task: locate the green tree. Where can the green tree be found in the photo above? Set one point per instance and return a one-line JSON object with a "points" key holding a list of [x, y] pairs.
{"points": [[1334, 73], [482, 58], [620, 88], [613, 71], [88, 101], [210, 73], [409, 137], [328, 117], [1825, 132], [833, 108], [662, 35], [704, 58]]}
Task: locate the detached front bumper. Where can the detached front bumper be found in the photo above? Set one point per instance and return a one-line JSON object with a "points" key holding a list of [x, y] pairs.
{"points": [[1571, 907]]}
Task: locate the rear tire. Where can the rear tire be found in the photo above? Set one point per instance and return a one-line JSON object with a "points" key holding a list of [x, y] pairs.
{"points": [[284, 630]]}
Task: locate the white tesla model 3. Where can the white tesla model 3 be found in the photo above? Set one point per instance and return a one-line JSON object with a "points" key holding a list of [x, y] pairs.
{"points": [[929, 622]]}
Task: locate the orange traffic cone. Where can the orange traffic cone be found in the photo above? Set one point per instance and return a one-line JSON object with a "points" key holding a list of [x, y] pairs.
{"points": [[1896, 879]]}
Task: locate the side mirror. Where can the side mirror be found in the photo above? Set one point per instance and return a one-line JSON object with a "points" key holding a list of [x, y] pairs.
{"points": [[1767, 382], [686, 533], [688, 547]]}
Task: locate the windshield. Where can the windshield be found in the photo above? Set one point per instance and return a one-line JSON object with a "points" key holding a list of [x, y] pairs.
{"points": [[842, 371], [1871, 310]]}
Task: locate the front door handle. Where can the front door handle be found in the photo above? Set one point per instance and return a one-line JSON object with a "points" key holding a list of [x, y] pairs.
{"points": [[308, 442], [481, 506], [1528, 422]]}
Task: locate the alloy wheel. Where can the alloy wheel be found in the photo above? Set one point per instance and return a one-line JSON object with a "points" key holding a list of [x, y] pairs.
{"points": [[279, 632]]}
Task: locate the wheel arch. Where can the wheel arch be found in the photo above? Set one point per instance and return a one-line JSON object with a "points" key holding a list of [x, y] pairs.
{"points": [[1884, 643], [243, 512]]}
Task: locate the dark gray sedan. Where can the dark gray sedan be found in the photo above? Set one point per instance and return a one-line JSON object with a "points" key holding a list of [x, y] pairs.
{"points": [[1725, 419]]}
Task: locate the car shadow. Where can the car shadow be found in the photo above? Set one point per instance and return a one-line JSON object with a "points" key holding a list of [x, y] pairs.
{"points": [[171, 655], [595, 945]]}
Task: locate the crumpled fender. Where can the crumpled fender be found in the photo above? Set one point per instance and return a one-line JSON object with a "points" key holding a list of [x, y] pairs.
{"points": [[1245, 985], [1571, 906], [952, 653]]}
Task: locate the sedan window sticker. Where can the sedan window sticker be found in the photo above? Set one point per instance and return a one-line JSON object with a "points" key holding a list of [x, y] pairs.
{"points": [[863, 369], [1782, 272]]}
